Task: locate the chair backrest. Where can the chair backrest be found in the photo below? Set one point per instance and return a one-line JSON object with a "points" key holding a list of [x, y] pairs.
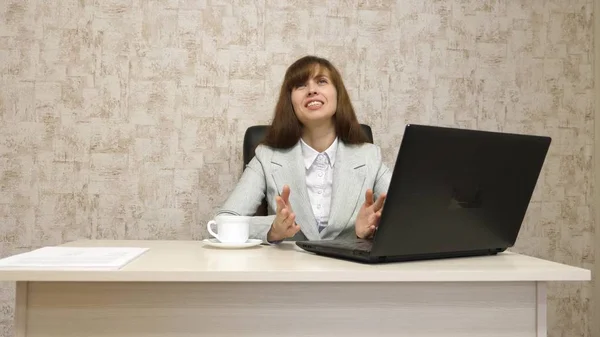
{"points": [[255, 134]]}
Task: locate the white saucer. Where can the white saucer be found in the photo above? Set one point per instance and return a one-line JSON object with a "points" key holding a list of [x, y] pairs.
{"points": [[247, 244]]}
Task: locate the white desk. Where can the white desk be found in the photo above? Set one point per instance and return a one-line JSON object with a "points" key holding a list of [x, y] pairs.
{"points": [[183, 288]]}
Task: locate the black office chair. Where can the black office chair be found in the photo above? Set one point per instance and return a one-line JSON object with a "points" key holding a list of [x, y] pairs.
{"points": [[255, 134]]}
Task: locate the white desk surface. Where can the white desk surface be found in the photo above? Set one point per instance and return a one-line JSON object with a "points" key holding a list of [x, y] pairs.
{"points": [[193, 261]]}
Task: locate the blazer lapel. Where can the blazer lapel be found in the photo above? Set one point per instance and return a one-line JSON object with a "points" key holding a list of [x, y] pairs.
{"points": [[288, 168], [348, 180]]}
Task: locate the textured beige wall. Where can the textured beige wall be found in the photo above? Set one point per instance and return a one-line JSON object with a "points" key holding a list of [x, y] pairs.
{"points": [[124, 119], [595, 318]]}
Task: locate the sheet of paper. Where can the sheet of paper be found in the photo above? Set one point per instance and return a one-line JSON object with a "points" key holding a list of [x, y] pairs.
{"points": [[73, 258]]}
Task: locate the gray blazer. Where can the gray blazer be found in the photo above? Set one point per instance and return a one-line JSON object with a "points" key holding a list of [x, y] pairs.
{"points": [[357, 168]]}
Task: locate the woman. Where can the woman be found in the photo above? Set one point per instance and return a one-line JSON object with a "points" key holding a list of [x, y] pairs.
{"points": [[318, 171]]}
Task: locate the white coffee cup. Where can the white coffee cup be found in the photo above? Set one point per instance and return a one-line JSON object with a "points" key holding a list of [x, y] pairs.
{"points": [[230, 228]]}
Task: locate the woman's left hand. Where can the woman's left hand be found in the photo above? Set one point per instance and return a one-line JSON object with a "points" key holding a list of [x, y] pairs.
{"points": [[368, 217]]}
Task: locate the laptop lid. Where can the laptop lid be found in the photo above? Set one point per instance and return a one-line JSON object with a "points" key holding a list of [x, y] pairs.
{"points": [[458, 190]]}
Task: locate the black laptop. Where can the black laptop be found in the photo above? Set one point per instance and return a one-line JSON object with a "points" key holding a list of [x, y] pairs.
{"points": [[453, 193]]}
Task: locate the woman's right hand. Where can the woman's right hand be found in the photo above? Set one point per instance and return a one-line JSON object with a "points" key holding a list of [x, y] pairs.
{"points": [[284, 226]]}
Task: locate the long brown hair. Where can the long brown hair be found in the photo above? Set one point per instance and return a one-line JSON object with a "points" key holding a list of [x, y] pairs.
{"points": [[285, 130]]}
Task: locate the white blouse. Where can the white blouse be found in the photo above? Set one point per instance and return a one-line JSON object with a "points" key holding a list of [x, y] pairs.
{"points": [[319, 180]]}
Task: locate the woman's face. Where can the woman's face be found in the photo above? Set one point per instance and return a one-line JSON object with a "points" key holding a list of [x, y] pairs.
{"points": [[315, 101]]}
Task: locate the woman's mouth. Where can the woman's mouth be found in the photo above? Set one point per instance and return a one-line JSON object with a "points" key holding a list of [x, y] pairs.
{"points": [[313, 105]]}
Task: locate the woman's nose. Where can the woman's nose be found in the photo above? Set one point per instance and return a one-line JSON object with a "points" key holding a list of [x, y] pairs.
{"points": [[312, 89]]}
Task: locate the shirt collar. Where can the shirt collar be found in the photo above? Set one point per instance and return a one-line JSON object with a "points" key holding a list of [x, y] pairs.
{"points": [[311, 154]]}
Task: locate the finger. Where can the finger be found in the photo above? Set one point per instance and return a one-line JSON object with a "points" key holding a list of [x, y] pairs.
{"points": [[284, 214], [285, 194], [374, 216], [280, 204], [281, 218], [295, 229], [366, 229], [291, 227], [369, 197], [369, 232], [379, 203], [374, 219], [289, 221]]}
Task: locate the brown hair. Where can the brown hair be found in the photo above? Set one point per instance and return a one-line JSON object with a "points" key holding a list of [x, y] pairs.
{"points": [[285, 130]]}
